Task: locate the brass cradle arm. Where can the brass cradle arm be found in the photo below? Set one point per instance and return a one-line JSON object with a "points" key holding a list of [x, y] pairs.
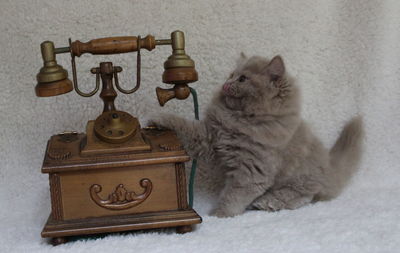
{"points": [[179, 69]]}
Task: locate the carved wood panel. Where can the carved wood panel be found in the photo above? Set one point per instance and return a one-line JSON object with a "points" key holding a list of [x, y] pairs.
{"points": [[83, 198]]}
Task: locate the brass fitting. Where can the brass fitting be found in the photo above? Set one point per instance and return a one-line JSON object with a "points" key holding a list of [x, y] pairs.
{"points": [[52, 78], [179, 70]]}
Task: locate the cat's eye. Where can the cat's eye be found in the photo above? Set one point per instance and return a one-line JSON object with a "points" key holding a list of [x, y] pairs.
{"points": [[242, 78]]}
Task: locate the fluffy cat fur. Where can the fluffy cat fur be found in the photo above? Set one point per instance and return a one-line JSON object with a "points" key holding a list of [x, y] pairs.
{"points": [[253, 139]]}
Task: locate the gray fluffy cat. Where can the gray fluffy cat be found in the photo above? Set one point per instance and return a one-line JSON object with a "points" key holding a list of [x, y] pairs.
{"points": [[254, 141]]}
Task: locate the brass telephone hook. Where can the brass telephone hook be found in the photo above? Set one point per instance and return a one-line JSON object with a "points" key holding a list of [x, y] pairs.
{"points": [[83, 94]]}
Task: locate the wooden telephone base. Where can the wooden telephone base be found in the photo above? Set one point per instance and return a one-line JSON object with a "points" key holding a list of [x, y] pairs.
{"points": [[102, 188]]}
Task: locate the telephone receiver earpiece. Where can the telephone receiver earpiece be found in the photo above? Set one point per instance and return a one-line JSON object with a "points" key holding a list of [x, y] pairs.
{"points": [[52, 78], [179, 70]]}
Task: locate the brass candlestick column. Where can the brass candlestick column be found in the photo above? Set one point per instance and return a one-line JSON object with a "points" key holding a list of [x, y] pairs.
{"points": [[108, 94], [112, 126]]}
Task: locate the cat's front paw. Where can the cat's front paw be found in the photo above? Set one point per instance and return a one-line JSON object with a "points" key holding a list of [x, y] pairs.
{"points": [[220, 213], [155, 124], [267, 202], [160, 122], [223, 213]]}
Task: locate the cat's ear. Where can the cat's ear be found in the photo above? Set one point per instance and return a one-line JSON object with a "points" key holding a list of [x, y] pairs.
{"points": [[276, 68], [241, 59]]}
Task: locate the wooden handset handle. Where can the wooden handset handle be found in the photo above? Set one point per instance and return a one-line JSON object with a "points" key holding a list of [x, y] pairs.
{"points": [[112, 45]]}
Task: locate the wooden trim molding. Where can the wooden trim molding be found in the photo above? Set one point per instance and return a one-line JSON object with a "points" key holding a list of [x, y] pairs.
{"points": [[120, 223], [55, 194], [181, 185]]}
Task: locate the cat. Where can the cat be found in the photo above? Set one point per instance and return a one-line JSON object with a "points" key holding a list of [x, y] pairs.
{"points": [[254, 141]]}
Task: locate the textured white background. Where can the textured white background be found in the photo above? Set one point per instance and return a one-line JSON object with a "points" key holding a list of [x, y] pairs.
{"points": [[345, 56]]}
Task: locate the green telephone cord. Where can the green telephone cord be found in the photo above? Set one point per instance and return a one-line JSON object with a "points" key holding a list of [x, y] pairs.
{"points": [[194, 163]]}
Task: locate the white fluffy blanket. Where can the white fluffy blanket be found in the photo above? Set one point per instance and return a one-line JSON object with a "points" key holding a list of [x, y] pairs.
{"points": [[345, 56]]}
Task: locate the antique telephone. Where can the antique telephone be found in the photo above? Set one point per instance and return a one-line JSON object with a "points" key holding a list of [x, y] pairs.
{"points": [[115, 153]]}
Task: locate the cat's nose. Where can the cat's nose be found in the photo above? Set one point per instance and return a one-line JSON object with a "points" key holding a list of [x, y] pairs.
{"points": [[226, 87]]}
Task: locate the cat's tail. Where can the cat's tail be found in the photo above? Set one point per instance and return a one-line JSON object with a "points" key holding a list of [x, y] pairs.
{"points": [[345, 155]]}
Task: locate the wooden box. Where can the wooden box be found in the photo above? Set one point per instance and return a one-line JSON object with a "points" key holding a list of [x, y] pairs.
{"points": [[111, 191]]}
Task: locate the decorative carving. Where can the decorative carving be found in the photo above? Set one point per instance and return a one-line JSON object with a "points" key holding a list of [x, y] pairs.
{"points": [[181, 185], [171, 147], [59, 153], [55, 193], [121, 199]]}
